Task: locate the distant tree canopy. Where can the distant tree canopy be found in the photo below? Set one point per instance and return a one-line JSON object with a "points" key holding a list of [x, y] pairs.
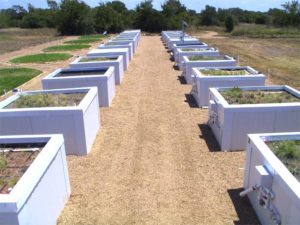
{"points": [[76, 17]]}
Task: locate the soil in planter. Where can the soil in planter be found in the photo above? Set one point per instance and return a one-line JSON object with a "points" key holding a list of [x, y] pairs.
{"points": [[72, 73], [205, 58], [47, 100], [97, 59], [289, 153], [238, 96], [14, 161], [224, 72], [194, 49]]}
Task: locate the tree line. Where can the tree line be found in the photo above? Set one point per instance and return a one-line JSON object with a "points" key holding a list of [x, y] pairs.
{"points": [[76, 17]]}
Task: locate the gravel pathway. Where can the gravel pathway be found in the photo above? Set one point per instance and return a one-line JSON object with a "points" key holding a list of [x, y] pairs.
{"points": [[155, 161]]}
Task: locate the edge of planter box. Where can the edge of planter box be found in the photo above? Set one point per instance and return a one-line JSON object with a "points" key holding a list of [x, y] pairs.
{"points": [[77, 61], [14, 201]]}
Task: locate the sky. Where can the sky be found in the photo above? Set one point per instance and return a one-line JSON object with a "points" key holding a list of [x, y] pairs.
{"points": [[198, 5]]}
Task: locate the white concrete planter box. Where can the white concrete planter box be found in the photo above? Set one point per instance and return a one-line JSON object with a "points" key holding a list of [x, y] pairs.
{"points": [[175, 47], [187, 66], [102, 77], [266, 172], [133, 32], [41, 193], [113, 52], [202, 83], [187, 40], [124, 42], [231, 123], [178, 56], [116, 62], [117, 45], [79, 124]]}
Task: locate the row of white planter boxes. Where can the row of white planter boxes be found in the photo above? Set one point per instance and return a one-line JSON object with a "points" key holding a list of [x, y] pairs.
{"points": [[43, 126], [239, 106]]}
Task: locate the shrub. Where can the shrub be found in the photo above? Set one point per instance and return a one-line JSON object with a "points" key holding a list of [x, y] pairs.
{"points": [[229, 23]]}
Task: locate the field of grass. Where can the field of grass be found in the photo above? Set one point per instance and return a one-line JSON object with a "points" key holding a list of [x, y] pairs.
{"points": [[41, 58], [13, 39], [82, 41], [71, 47], [11, 78], [279, 56]]}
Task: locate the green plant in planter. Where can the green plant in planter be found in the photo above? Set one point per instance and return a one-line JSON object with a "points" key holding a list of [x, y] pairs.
{"points": [[217, 72], [3, 163], [202, 57]]}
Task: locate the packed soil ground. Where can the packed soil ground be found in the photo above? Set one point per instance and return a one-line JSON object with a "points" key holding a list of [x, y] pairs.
{"points": [[155, 161]]}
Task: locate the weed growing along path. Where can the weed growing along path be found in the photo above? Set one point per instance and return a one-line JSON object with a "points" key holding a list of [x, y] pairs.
{"points": [[155, 160]]}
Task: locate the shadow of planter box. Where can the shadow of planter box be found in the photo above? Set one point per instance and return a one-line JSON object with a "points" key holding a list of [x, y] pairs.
{"points": [[104, 81], [266, 170], [117, 64], [231, 123], [124, 42], [188, 65], [118, 45], [79, 124], [205, 52], [113, 52], [42, 192], [202, 83]]}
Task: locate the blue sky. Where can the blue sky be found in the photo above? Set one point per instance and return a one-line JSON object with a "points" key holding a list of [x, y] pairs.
{"points": [[256, 5]]}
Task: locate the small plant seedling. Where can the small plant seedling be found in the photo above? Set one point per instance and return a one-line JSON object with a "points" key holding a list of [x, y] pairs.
{"points": [[223, 72], [203, 58]]}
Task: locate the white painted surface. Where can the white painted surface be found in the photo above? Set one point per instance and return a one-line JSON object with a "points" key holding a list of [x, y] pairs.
{"points": [[232, 123], [127, 45], [70, 121], [285, 187], [42, 192]]}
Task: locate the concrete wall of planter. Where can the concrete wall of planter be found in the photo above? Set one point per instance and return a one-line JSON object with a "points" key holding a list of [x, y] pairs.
{"points": [[178, 57], [112, 52], [42, 192], [129, 46], [202, 83], [125, 42], [79, 124], [187, 40], [232, 123], [265, 170], [175, 47], [117, 64], [188, 65], [105, 83]]}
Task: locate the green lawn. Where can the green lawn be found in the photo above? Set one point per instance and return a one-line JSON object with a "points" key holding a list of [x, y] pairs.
{"points": [[82, 41], [41, 58], [66, 47], [11, 78]]}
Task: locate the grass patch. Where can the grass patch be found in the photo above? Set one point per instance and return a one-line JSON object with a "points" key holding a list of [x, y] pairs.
{"points": [[223, 72], [11, 78], [92, 36], [203, 58], [41, 58], [97, 59], [265, 32], [47, 100], [82, 41], [289, 153], [238, 96], [72, 47]]}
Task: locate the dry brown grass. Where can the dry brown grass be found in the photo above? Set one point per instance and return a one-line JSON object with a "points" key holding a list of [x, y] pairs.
{"points": [[155, 161], [13, 39], [280, 55]]}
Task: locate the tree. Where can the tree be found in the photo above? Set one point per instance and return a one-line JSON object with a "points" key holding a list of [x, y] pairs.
{"points": [[209, 16], [229, 23], [75, 18]]}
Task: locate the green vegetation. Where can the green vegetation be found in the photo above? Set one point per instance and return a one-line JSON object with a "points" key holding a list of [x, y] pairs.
{"points": [[97, 59], [3, 162], [223, 72], [238, 96], [82, 41], [72, 47], [47, 100], [11, 78], [203, 58], [265, 32], [229, 23], [41, 58], [289, 153]]}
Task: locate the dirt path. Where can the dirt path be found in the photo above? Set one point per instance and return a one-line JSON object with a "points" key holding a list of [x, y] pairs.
{"points": [[155, 161]]}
